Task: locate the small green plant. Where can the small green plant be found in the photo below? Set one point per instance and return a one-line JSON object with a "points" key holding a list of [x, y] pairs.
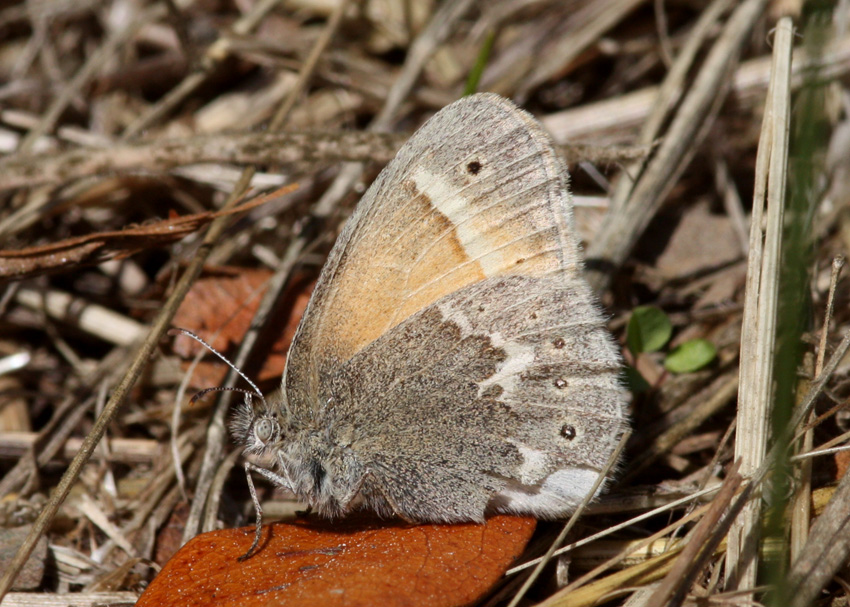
{"points": [[650, 330], [690, 356]]}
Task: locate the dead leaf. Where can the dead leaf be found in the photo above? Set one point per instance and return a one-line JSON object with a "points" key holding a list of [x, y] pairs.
{"points": [[351, 562], [701, 242], [220, 307]]}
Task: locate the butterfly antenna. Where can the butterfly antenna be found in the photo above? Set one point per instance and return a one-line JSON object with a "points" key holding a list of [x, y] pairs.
{"points": [[199, 395], [256, 392]]}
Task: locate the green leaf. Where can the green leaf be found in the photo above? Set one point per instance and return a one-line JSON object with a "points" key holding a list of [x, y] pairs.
{"points": [[634, 381], [690, 356], [648, 331]]}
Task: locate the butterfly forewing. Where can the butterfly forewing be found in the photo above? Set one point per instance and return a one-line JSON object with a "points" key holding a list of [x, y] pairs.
{"points": [[476, 192]]}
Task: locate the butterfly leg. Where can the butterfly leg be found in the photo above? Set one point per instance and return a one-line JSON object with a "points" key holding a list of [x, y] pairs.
{"points": [[277, 479]]}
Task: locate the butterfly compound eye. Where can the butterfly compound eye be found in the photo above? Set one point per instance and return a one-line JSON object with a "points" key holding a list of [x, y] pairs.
{"points": [[265, 429]]}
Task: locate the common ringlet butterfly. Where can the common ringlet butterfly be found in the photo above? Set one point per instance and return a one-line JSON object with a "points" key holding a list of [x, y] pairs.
{"points": [[452, 360]]}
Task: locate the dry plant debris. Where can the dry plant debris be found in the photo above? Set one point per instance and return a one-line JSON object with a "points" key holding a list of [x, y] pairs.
{"points": [[128, 131]]}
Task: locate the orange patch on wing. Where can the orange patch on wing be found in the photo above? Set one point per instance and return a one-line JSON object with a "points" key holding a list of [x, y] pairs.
{"points": [[406, 279]]}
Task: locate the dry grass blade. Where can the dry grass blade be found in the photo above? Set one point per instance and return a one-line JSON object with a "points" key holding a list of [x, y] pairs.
{"points": [[80, 599], [84, 75], [612, 118], [759, 330], [92, 439], [702, 543], [240, 149], [624, 525], [593, 22], [708, 402], [144, 352], [158, 328], [801, 514], [825, 552], [423, 47], [284, 148], [88, 317], [590, 588]]}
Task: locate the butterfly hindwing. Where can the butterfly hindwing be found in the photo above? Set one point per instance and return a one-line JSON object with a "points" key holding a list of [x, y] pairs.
{"points": [[489, 394]]}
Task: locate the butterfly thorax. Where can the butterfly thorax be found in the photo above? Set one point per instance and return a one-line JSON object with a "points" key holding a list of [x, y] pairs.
{"points": [[313, 462], [322, 473]]}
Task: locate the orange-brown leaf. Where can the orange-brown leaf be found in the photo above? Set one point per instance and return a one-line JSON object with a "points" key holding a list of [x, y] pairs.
{"points": [[344, 563], [220, 307]]}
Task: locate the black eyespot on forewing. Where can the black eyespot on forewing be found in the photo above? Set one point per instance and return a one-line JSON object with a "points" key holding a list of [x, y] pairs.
{"points": [[473, 167]]}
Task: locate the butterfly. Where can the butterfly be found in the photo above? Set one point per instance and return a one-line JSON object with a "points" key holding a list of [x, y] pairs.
{"points": [[452, 361]]}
